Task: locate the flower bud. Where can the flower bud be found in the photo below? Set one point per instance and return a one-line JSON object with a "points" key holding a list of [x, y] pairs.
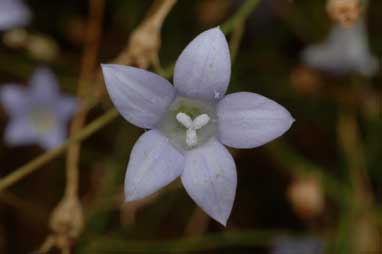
{"points": [[305, 81], [346, 12], [306, 196], [15, 38], [42, 47]]}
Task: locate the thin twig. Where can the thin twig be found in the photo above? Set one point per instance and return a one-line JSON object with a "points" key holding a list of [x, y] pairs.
{"points": [[199, 244], [367, 237], [244, 11], [66, 220], [237, 36], [35, 164], [89, 63]]}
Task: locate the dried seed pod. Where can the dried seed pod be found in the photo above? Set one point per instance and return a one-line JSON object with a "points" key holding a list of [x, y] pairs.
{"points": [[306, 196], [346, 12], [42, 47], [305, 81], [67, 219]]}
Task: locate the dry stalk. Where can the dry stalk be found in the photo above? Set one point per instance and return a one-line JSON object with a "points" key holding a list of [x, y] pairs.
{"points": [[67, 219], [66, 222], [366, 238], [144, 43]]}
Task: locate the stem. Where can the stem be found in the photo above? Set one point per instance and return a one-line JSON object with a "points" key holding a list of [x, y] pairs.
{"points": [[32, 166], [352, 147], [237, 36], [202, 244], [297, 164], [366, 237], [89, 63], [244, 11]]}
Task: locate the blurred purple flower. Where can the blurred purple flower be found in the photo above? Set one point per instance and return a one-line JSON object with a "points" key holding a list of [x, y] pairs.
{"points": [[189, 122], [38, 114], [13, 13], [346, 50], [289, 245]]}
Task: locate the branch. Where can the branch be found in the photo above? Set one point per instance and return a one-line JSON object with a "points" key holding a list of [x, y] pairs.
{"points": [[245, 10], [35, 164], [208, 242]]}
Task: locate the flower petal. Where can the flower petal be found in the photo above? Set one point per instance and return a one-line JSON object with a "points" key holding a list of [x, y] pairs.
{"points": [[14, 99], [345, 50], [13, 13], [54, 138], [142, 97], [209, 177], [19, 132], [153, 164], [203, 70], [44, 86], [66, 107], [247, 120]]}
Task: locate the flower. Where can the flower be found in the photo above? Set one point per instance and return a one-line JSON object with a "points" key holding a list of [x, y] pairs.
{"points": [[38, 114], [189, 122], [13, 13], [289, 245], [346, 50]]}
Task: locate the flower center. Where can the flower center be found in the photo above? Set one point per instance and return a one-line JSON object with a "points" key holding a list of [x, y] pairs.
{"points": [[189, 123], [192, 126], [42, 120]]}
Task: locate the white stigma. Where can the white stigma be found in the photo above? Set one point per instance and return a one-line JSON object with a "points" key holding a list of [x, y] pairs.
{"points": [[191, 137], [184, 119], [200, 121], [192, 126]]}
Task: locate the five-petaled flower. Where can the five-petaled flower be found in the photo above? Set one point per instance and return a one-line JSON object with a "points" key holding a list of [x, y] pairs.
{"points": [[13, 13], [189, 122], [346, 50], [38, 114]]}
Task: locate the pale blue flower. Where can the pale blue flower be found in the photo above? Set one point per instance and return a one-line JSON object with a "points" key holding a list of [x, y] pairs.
{"points": [[13, 13], [189, 122], [294, 245], [346, 50], [39, 113]]}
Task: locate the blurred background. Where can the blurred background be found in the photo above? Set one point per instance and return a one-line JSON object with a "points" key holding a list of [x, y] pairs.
{"points": [[317, 189]]}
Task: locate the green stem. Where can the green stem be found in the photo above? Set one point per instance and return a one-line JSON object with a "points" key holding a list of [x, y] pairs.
{"points": [[32, 166], [245, 10], [297, 164], [114, 244]]}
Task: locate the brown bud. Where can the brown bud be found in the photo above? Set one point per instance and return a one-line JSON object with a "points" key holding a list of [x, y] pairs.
{"points": [[305, 81], [306, 196], [212, 12], [346, 12], [16, 38], [42, 47]]}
